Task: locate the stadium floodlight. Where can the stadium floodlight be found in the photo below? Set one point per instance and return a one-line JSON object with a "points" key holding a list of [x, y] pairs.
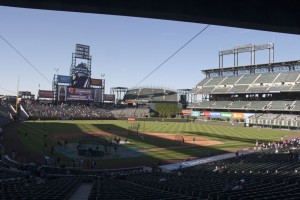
{"points": [[247, 48]]}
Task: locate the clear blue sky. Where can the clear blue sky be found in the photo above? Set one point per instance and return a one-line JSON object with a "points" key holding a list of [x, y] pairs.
{"points": [[125, 49]]}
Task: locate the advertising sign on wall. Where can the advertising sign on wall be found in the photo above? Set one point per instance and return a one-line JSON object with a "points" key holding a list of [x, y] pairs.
{"points": [[109, 97], [215, 114], [207, 114], [195, 113], [238, 115], [96, 82], [226, 115], [62, 91], [64, 79], [46, 94], [97, 94], [247, 115], [186, 112], [131, 119]]}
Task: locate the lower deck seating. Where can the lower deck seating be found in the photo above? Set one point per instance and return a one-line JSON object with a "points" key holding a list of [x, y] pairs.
{"points": [[121, 189], [29, 187], [265, 174]]}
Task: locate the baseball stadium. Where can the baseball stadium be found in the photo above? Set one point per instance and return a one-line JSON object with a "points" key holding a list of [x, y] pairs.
{"points": [[77, 141]]}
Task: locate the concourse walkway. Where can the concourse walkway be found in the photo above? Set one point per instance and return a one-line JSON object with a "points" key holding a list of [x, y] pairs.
{"points": [[83, 192]]}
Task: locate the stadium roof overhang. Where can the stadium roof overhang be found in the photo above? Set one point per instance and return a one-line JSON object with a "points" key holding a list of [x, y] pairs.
{"points": [[248, 67], [268, 15]]}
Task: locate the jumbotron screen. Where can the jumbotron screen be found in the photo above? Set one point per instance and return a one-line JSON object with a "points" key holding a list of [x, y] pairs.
{"points": [[80, 81], [79, 94]]}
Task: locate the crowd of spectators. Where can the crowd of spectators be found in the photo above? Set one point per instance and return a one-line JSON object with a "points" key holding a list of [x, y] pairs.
{"points": [[72, 111], [282, 145]]}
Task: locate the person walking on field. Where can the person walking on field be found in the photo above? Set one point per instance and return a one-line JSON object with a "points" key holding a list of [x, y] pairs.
{"points": [[256, 144]]}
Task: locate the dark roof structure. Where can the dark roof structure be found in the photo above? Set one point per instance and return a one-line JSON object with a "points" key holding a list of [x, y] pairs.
{"points": [[268, 15]]}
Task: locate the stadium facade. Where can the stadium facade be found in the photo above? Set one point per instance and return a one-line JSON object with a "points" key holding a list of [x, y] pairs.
{"points": [[265, 95]]}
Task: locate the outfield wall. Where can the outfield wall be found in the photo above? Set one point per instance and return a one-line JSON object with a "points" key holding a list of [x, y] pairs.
{"points": [[229, 116], [154, 119]]}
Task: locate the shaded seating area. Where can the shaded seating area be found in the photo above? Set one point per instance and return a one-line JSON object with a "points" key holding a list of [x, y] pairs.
{"points": [[122, 189], [16, 184], [5, 116], [263, 174]]}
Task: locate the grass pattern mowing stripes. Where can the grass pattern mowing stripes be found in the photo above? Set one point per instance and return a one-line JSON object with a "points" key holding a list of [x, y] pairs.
{"points": [[232, 137]]}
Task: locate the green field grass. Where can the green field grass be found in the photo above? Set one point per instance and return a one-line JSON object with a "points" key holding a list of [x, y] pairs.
{"points": [[231, 138]]}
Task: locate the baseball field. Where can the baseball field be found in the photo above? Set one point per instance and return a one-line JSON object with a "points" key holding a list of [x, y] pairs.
{"points": [[139, 142]]}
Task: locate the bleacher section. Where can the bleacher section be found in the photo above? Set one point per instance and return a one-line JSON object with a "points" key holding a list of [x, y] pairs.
{"points": [[291, 76], [268, 171], [239, 89], [288, 117], [214, 81], [72, 111], [158, 95], [296, 106], [170, 95], [150, 94], [280, 105], [230, 80], [220, 104], [257, 105], [206, 89], [296, 87], [266, 78], [267, 116], [238, 104], [220, 90], [249, 105], [203, 81], [251, 83], [269, 91], [121, 189], [131, 112], [132, 94], [146, 93], [259, 175], [206, 104], [258, 89], [279, 88], [254, 176], [16, 184], [247, 79]]}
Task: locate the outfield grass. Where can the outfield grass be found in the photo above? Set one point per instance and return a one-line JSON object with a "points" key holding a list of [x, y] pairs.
{"points": [[231, 137]]}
